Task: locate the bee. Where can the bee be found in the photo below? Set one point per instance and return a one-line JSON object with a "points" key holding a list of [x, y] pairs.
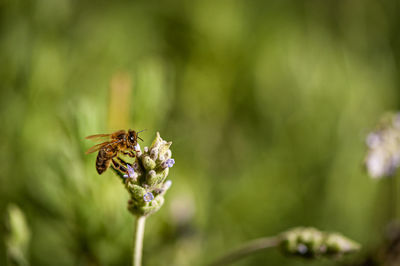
{"points": [[117, 143]]}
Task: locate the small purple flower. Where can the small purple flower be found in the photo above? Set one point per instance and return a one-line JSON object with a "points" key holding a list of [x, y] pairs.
{"points": [[170, 162], [131, 172], [148, 197], [302, 249]]}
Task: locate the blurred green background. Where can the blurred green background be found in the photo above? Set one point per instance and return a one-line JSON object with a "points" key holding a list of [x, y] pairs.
{"points": [[267, 103]]}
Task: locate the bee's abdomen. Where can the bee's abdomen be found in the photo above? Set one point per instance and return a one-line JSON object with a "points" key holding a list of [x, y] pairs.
{"points": [[102, 162]]}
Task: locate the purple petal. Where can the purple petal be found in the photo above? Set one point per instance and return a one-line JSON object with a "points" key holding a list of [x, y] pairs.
{"points": [[167, 184], [148, 197], [131, 171], [170, 163]]}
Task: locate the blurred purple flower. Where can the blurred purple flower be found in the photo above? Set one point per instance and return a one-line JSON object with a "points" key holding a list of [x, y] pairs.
{"points": [[131, 172], [383, 157]]}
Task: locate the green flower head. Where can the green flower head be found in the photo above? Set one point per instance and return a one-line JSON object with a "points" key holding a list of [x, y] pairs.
{"points": [[146, 178]]}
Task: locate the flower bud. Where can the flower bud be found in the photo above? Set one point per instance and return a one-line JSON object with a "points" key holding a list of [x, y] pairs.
{"points": [[337, 243], [148, 163], [147, 177], [310, 242], [154, 154], [136, 191], [383, 157], [151, 178], [154, 178], [137, 150]]}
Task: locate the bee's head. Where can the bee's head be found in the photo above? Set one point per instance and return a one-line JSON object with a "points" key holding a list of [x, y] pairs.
{"points": [[132, 137]]}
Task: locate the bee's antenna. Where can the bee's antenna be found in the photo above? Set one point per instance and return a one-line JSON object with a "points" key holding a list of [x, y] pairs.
{"points": [[137, 134]]}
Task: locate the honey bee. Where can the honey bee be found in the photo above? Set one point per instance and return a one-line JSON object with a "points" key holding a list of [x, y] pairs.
{"points": [[118, 142]]}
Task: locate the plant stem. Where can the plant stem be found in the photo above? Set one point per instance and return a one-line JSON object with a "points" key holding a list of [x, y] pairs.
{"points": [[247, 249], [138, 245], [395, 198]]}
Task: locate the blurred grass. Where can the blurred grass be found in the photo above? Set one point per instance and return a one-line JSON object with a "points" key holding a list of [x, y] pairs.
{"points": [[267, 103]]}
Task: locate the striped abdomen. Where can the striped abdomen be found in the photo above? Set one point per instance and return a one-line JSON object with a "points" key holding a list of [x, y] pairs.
{"points": [[103, 160]]}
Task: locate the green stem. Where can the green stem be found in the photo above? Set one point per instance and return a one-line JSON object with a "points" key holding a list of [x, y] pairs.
{"points": [[138, 245], [395, 198], [247, 249]]}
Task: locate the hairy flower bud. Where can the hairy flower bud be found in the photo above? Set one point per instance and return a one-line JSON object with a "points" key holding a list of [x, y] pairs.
{"points": [[145, 177], [383, 157], [148, 163], [309, 242]]}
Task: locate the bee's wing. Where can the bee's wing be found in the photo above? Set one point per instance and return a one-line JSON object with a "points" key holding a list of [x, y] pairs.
{"points": [[98, 136], [98, 147], [117, 133], [102, 136]]}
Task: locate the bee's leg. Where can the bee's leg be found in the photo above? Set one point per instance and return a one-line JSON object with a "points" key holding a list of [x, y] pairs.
{"points": [[122, 161], [129, 153], [119, 167]]}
